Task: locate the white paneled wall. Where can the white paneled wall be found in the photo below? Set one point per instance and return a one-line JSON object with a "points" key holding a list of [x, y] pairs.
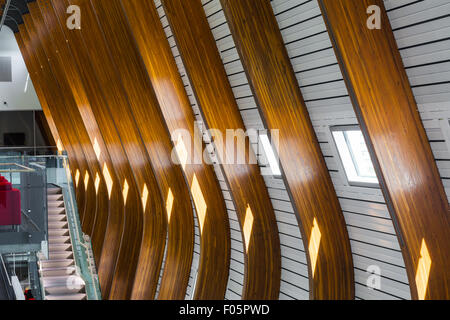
{"points": [[422, 31], [162, 268], [294, 273], [236, 277], [195, 258], [372, 235]]}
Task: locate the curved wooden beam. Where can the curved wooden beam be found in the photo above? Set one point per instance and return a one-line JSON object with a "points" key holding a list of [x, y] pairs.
{"points": [[216, 100], [55, 100], [70, 117], [112, 160], [145, 225], [42, 100], [150, 38], [385, 105], [34, 74], [273, 81], [145, 116], [109, 206]]}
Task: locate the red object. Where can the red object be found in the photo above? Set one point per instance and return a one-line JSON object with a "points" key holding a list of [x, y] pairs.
{"points": [[29, 295], [10, 213]]}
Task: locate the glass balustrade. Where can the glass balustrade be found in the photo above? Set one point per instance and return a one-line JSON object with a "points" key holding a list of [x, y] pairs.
{"points": [[24, 233]]}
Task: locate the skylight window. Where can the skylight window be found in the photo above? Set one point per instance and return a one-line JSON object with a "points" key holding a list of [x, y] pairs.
{"points": [[355, 156], [272, 159]]}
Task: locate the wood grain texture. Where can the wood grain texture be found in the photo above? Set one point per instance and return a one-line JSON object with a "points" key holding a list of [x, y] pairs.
{"points": [[98, 204], [42, 100], [273, 81], [154, 48], [145, 225], [44, 128], [114, 168], [106, 223], [385, 105], [54, 99], [144, 116], [215, 98]]}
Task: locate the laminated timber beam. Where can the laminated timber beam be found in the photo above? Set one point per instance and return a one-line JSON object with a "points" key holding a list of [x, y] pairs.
{"points": [[39, 80], [108, 231], [45, 108], [390, 121], [59, 132], [42, 100], [67, 80], [145, 220], [216, 100], [96, 202], [273, 81], [46, 111], [143, 115], [155, 50], [56, 101]]}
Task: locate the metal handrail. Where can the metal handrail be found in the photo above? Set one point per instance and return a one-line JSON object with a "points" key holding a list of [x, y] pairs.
{"points": [[81, 243], [31, 220], [6, 270], [29, 151], [5, 13], [22, 168], [27, 148], [78, 232]]}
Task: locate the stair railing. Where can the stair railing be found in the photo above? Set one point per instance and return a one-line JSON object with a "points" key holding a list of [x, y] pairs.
{"points": [[6, 270], [78, 237]]}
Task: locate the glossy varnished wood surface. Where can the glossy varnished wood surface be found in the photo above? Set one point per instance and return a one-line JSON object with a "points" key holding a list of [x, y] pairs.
{"points": [[44, 127], [144, 231], [115, 168], [112, 158], [50, 90], [98, 210], [215, 98], [107, 206], [273, 81], [385, 105], [144, 116], [150, 38], [42, 100]]}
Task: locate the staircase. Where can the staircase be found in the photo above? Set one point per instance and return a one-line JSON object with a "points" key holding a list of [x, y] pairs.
{"points": [[59, 273]]}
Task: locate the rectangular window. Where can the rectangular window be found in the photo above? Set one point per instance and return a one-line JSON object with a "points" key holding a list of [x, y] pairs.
{"points": [[354, 155], [271, 157]]}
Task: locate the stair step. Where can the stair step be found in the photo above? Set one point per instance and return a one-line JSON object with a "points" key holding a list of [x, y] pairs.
{"points": [[55, 203], [55, 197], [58, 239], [63, 284], [57, 217], [52, 191], [56, 263], [55, 272], [58, 232], [63, 289], [55, 297], [57, 224], [60, 247], [58, 281], [56, 211], [60, 255]]}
